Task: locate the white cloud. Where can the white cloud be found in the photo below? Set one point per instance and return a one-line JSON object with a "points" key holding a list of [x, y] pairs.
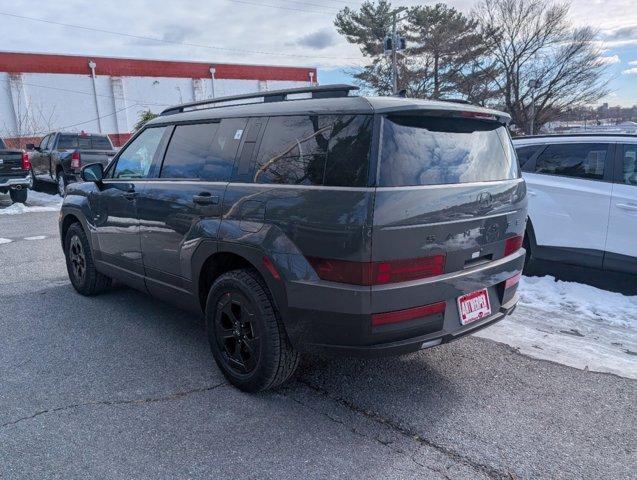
{"points": [[630, 71], [610, 60], [634, 62]]}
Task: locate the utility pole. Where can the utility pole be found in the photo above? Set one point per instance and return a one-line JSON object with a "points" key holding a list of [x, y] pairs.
{"points": [[394, 48]]}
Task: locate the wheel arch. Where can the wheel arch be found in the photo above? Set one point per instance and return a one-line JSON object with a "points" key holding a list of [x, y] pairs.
{"points": [[210, 262]]}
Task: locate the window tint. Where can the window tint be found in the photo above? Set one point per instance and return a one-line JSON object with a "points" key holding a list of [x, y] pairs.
{"points": [[348, 155], [294, 150], [2, 145], [525, 153], [419, 150], [218, 166], [581, 160], [84, 142], [190, 148], [100, 143], [44, 142], [136, 159], [315, 150], [629, 172]]}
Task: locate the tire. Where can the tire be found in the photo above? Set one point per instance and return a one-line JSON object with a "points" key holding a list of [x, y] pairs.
{"points": [[80, 265], [247, 338], [18, 196], [60, 181]]}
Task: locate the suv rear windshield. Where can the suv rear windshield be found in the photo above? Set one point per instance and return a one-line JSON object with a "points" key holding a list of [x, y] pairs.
{"points": [[420, 150], [84, 142]]}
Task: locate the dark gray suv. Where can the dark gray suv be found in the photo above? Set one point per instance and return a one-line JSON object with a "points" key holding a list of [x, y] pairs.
{"points": [[309, 220]]}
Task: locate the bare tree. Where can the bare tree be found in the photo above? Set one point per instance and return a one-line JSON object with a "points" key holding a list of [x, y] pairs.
{"points": [[31, 121], [533, 40]]}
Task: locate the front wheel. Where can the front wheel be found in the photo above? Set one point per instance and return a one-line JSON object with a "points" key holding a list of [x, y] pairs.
{"points": [[18, 196], [60, 180], [246, 336], [80, 265]]}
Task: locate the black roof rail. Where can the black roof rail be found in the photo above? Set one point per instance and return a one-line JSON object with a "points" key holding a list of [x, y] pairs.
{"points": [[317, 91], [580, 134]]}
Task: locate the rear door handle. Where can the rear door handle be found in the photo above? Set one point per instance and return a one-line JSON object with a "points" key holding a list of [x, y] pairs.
{"points": [[627, 206], [130, 195], [205, 198]]}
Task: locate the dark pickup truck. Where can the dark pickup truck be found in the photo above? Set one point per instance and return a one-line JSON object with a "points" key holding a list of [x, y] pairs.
{"points": [[15, 175], [60, 156]]}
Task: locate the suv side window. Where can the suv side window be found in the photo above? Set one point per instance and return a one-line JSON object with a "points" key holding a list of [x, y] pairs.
{"points": [[579, 160], [136, 159], [525, 153], [629, 162], [190, 148], [293, 151], [348, 155], [331, 150]]}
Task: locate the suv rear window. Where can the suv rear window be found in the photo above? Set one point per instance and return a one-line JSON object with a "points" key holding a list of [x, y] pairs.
{"points": [[421, 150], [84, 142]]}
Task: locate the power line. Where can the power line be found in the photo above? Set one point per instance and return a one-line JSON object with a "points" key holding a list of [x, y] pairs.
{"points": [[86, 121], [138, 101], [259, 4], [174, 42]]}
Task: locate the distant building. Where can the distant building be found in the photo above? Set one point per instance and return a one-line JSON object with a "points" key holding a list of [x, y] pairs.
{"points": [[41, 93]]}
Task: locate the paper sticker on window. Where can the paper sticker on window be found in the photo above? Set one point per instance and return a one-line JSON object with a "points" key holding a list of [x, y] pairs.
{"points": [[237, 135]]}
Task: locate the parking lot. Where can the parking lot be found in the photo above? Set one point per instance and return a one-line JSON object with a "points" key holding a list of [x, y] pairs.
{"points": [[122, 386]]}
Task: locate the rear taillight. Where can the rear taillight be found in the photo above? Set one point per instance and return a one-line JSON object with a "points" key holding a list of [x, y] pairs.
{"points": [[408, 314], [26, 163], [479, 115], [377, 273], [513, 244], [513, 281], [76, 160]]}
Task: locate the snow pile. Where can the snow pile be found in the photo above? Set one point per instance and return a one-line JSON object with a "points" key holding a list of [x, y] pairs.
{"points": [[573, 324], [36, 202], [581, 300]]}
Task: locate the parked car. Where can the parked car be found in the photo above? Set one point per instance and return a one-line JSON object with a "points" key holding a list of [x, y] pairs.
{"points": [[343, 224], [60, 156], [582, 199], [15, 173]]}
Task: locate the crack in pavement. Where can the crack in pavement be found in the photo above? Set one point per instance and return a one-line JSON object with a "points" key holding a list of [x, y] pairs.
{"points": [[137, 401], [487, 470]]}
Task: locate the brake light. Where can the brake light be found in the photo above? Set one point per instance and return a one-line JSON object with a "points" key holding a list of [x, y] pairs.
{"points": [[513, 244], [510, 282], [480, 115], [76, 160], [377, 273], [26, 163], [408, 314]]}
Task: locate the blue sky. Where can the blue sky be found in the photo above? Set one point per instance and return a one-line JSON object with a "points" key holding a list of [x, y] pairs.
{"points": [[272, 32]]}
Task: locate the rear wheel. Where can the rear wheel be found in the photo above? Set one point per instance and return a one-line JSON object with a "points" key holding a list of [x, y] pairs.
{"points": [[60, 180], [246, 336], [18, 196], [80, 265]]}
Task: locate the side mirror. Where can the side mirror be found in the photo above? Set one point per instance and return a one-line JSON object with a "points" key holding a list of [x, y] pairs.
{"points": [[30, 146], [94, 172]]}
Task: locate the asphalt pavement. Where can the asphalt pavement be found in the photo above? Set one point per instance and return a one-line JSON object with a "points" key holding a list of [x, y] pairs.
{"points": [[123, 386]]}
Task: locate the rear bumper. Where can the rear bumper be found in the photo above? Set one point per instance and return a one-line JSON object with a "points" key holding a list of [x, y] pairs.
{"points": [[421, 342], [13, 182], [337, 319]]}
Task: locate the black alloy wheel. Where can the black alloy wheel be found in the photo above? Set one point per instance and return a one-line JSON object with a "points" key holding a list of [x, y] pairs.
{"points": [[77, 259], [237, 333]]}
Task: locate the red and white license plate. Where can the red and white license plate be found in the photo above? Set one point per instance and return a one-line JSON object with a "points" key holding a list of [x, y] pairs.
{"points": [[474, 306]]}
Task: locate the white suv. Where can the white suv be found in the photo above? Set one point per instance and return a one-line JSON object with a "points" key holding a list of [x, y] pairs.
{"points": [[582, 192]]}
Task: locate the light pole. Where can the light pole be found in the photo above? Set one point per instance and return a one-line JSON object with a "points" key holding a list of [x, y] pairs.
{"points": [[533, 85]]}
